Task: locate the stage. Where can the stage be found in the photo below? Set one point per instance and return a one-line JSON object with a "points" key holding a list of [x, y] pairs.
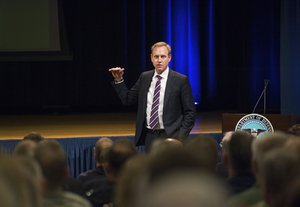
{"points": [[90, 125]]}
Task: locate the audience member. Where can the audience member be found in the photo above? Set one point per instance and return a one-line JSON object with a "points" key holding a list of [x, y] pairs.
{"points": [[163, 144], [280, 168], [7, 197], [294, 130], [204, 148], [237, 158], [132, 181], [100, 192], [52, 160], [25, 148], [90, 179], [221, 167], [33, 136], [19, 182], [259, 147], [185, 189], [292, 196], [101, 147], [172, 160]]}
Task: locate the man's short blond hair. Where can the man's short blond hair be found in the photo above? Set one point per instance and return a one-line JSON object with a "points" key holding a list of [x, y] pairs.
{"points": [[161, 44]]}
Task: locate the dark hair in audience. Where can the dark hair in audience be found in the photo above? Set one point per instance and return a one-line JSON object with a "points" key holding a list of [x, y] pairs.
{"points": [[204, 148], [294, 130], [132, 181], [119, 153], [240, 150], [52, 160], [280, 168], [34, 137], [171, 161]]}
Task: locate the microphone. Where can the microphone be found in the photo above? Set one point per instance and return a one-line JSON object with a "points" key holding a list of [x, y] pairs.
{"points": [[266, 82]]}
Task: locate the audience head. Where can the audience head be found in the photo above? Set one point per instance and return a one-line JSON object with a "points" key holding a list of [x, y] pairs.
{"points": [[238, 154], [280, 168], [116, 157], [172, 160], [33, 136], [101, 147], [264, 144], [163, 144], [224, 143], [294, 130], [293, 144], [25, 148], [132, 181], [19, 182], [204, 148], [52, 160], [185, 189]]}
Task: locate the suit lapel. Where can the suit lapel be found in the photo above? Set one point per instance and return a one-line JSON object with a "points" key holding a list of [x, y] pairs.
{"points": [[168, 88], [146, 84]]}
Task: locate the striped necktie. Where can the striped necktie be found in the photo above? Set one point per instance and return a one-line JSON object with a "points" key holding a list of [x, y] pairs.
{"points": [[154, 121]]}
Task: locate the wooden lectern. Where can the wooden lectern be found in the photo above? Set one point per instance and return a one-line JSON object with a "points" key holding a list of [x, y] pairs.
{"points": [[280, 122]]}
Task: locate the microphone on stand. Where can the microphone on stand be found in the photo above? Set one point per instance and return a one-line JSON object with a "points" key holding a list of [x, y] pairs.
{"points": [[266, 82]]}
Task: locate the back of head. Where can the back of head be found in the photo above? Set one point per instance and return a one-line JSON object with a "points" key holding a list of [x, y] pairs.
{"points": [[132, 181], [185, 189], [101, 146], [172, 160], [239, 148], [33, 136], [294, 130], [52, 160], [204, 148], [266, 143], [25, 148], [280, 167], [118, 154], [160, 145], [19, 185]]}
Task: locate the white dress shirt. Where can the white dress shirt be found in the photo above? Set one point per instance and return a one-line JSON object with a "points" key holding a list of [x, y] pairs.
{"points": [[163, 83]]}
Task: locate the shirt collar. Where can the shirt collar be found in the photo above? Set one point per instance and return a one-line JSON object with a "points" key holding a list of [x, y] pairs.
{"points": [[164, 74]]}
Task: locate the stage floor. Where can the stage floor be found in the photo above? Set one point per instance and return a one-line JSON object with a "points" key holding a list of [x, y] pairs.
{"points": [[89, 125]]}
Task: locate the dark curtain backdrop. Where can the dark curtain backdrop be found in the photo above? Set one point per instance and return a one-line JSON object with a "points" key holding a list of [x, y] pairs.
{"points": [[290, 57], [226, 47]]}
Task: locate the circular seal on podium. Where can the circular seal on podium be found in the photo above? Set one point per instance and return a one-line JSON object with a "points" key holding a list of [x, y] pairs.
{"points": [[255, 124]]}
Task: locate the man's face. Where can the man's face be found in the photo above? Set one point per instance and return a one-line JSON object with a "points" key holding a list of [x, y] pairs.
{"points": [[160, 59]]}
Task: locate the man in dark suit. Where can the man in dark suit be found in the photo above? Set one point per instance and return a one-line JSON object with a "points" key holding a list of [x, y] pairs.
{"points": [[165, 101]]}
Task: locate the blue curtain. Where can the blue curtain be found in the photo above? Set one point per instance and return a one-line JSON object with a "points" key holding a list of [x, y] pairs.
{"points": [[226, 48]]}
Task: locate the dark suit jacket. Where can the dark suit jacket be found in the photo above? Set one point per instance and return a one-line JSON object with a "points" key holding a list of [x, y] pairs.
{"points": [[179, 109]]}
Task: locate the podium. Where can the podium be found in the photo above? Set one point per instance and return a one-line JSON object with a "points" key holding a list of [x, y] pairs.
{"points": [[280, 122]]}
